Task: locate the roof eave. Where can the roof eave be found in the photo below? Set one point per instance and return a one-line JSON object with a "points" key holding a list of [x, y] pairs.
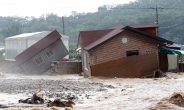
{"points": [[148, 34]]}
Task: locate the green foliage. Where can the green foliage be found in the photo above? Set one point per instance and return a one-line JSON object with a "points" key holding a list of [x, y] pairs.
{"points": [[13, 29], [72, 46], [170, 14], [75, 55]]}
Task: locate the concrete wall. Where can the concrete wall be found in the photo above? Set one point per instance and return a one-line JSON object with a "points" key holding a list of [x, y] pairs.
{"points": [[70, 67]]}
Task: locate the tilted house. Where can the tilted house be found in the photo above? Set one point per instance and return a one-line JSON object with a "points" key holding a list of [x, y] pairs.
{"points": [[121, 51], [37, 58], [16, 44]]}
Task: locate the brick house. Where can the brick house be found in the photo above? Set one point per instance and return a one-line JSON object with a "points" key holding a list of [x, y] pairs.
{"points": [[109, 46]]}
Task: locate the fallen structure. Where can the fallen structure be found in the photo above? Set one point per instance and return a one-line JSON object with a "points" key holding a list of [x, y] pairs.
{"points": [[38, 57]]}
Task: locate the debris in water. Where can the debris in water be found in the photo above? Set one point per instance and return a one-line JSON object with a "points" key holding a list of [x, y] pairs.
{"points": [[35, 99], [59, 103], [177, 99]]}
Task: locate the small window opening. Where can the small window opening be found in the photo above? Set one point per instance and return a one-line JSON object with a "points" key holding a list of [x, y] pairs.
{"points": [[132, 52], [49, 54], [39, 61]]}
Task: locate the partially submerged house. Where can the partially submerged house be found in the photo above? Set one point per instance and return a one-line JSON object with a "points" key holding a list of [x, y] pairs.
{"points": [[16, 44], [121, 51], [38, 57]]}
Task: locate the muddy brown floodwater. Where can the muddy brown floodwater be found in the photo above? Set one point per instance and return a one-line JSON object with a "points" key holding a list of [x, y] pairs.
{"points": [[52, 87], [166, 93]]}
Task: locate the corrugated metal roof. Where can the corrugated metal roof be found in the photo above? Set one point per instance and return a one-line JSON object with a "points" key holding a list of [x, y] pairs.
{"points": [[173, 45], [37, 47], [26, 35], [138, 26], [171, 51]]}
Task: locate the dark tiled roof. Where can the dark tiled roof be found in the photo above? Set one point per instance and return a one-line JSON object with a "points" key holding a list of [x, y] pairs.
{"points": [[103, 39], [91, 39], [37, 47], [138, 26]]}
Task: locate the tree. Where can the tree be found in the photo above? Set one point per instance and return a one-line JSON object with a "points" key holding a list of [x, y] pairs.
{"points": [[14, 29], [171, 23]]}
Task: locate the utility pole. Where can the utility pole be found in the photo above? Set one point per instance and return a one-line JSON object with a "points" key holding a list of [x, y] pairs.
{"points": [[157, 17], [156, 9], [63, 25]]}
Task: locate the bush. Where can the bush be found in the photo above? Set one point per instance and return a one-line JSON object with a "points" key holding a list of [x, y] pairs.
{"points": [[75, 55]]}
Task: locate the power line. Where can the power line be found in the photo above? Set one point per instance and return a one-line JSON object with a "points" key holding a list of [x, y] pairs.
{"points": [[170, 26], [172, 19]]}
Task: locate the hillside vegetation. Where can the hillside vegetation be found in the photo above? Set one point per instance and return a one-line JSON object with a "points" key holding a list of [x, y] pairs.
{"points": [[170, 20]]}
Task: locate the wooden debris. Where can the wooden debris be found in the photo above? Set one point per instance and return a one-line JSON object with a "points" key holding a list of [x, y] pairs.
{"points": [[59, 103], [3, 106], [35, 99]]}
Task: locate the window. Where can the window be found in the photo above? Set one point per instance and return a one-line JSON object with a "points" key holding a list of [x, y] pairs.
{"points": [[39, 61], [85, 60], [132, 52], [49, 54]]}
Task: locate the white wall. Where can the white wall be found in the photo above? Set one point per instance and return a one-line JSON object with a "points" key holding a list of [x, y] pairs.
{"points": [[66, 43]]}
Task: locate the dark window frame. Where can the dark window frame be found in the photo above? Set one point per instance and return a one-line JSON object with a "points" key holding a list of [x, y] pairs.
{"points": [[132, 52], [39, 61], [49, 54]]}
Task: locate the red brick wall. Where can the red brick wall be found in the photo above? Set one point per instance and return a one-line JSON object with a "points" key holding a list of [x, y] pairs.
{"points": [[115, 49]]}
